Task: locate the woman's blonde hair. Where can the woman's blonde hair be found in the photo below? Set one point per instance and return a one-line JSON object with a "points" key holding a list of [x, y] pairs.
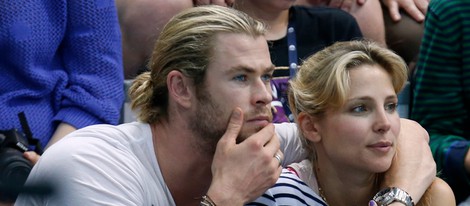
{"points": [[323, 81], [185, 44]]}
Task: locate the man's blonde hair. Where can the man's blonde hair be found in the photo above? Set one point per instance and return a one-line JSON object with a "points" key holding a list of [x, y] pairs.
{"points": [[185, 44]]}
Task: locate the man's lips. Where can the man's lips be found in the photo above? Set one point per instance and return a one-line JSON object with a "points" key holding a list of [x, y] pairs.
{"points": [[259, 120]]}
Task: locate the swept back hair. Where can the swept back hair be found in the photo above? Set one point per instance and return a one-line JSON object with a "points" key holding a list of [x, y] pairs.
{"points": [[186, 44]]}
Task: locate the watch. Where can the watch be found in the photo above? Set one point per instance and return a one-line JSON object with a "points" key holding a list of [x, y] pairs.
{"points": [[393, 194]]}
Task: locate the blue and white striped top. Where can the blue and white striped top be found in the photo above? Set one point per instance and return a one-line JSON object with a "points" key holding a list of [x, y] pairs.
{"points": [[289, 190]]}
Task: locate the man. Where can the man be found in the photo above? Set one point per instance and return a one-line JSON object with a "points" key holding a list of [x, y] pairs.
{"points": [[210, 68]]}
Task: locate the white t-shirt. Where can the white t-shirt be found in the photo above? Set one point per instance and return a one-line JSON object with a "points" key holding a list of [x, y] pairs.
{"points": [[115, 165], [102, 165], [291, 143]]}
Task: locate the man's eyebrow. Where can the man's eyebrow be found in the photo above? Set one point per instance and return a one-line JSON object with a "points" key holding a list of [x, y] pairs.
{"points": [[249, 69]]}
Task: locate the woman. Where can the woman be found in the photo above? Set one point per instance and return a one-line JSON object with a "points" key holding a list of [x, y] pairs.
{"points": [[344, 100], [294, 33]]}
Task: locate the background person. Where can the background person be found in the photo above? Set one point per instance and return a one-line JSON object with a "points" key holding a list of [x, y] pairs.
{"points": [[441, 91], [61, 66]]}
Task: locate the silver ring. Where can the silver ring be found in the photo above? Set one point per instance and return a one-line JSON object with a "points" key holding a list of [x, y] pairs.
{"points": [[278, 157]]}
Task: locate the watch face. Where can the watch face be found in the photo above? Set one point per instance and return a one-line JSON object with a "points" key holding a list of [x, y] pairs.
{"points": [[393, 194]]}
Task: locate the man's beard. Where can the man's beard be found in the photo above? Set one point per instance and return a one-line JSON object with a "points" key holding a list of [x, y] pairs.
{"points": [[209, 123]]}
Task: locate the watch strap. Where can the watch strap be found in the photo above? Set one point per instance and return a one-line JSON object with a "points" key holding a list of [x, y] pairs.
{"points": [[393, 194]]}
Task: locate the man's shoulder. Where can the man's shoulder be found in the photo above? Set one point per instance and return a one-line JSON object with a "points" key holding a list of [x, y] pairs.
{"points": [[113, 134], [100, 143], [103, 162]]}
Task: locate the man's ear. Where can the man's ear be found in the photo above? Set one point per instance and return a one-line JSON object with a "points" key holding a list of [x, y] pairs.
{"points": [[309, 126], [180, 88]]}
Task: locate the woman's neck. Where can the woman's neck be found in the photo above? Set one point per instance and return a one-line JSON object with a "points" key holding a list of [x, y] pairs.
{"points": [[276, 20], [339, 185]]}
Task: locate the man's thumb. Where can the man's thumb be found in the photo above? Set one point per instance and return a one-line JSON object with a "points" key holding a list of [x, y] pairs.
{"points": [[235, 124]]}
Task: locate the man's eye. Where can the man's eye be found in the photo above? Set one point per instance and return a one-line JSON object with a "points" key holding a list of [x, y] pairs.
{"points": [[267, 77], [240, 78]]}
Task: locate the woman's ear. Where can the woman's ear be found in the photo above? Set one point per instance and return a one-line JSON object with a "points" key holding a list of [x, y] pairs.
{"points": [[309, 127], [180, 88]]}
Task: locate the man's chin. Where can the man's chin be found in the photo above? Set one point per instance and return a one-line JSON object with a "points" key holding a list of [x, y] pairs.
{"points": [[247, 132]]}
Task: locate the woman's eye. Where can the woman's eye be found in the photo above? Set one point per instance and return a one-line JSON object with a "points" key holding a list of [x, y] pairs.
{"points": [[359, 109], [391, 107]]}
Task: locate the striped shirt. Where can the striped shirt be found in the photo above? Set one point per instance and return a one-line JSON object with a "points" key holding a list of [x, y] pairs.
{"points": [[289, 190], [441, 102]]}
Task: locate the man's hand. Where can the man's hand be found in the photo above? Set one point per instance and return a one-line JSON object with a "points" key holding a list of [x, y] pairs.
{"points": [[216, 2], [242, 172], [415, 8], [413, 168]]}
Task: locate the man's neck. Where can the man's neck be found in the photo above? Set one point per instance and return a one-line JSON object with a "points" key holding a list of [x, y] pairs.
{"points": [[186, 171]]}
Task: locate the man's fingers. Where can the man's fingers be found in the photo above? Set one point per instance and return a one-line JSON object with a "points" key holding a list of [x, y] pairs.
{"points": [[234, 126], [279, 157]]}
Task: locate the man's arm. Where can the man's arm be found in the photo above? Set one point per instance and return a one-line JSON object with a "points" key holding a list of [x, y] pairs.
{"points": [[413, 168]]}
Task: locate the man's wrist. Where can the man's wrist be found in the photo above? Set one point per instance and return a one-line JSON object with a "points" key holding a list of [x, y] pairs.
{"points": [[207, 201], [393, 195], [223, 198], [413, 192]]}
